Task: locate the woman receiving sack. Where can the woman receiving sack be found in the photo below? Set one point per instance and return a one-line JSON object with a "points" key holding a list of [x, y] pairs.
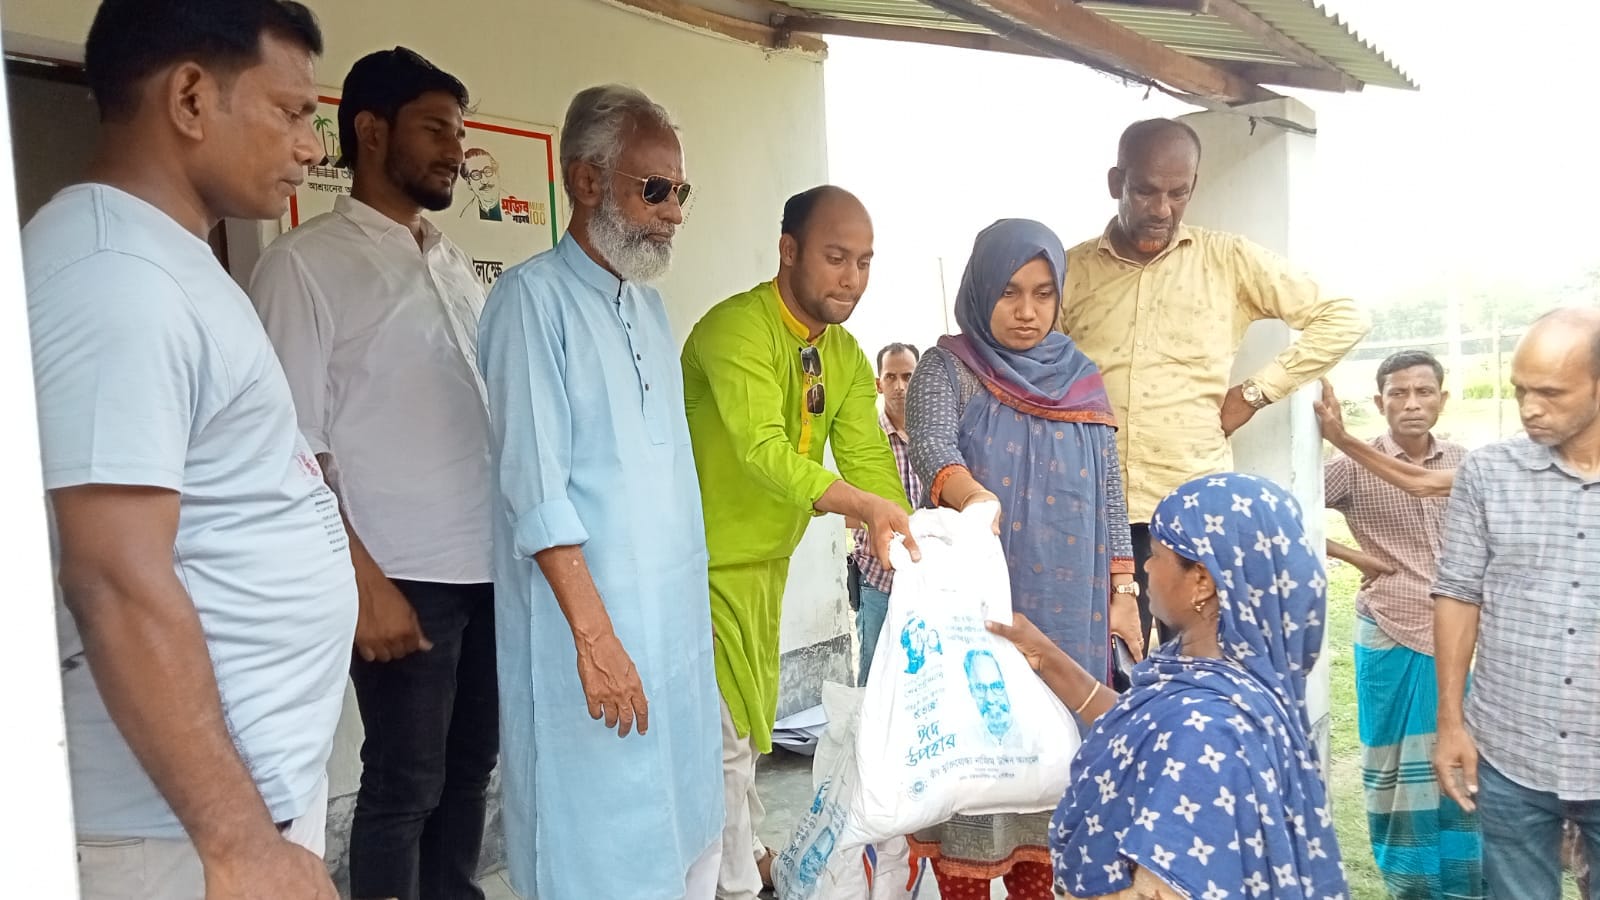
{"points": [[1011, 411], [1201, 781]]}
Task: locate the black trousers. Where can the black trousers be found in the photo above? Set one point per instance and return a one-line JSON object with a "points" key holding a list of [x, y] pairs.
{"points": [[432, 724], [1141, 559]]}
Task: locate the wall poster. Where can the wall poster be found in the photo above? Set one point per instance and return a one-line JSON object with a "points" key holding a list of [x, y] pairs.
{"points": [[505, 207]]}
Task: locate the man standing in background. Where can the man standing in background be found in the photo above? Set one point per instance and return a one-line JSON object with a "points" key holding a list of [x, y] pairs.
{"points": [[896, 363], [1515, 604], [1162, 308], [1425, 845], [374, 314]]}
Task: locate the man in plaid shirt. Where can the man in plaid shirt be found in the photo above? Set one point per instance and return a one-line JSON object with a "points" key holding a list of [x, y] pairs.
{"points": [[1425, 845], [896, 362], [1517, 584]]}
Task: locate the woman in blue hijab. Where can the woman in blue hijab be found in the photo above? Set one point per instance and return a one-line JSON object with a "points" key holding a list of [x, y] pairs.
{"points": [[1201, 781], [1011, 410]]}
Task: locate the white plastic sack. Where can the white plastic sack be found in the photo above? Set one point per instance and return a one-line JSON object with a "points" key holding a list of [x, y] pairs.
{"points": [[889, 872], [841, 710], [821, 861], [954, 720]]}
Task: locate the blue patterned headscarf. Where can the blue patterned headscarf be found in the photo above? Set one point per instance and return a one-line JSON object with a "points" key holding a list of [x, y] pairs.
{"points": [[1205, 772]]}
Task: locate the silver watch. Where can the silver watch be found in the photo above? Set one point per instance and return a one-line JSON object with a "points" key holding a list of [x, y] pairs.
{"points": [[1131, 587], [1253, 395]]}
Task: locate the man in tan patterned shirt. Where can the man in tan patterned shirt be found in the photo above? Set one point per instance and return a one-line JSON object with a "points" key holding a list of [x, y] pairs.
{"points": [[1162, 307]]}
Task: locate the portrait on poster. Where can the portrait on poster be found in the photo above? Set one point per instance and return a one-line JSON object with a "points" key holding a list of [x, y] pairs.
{"points": [[505, 207]]}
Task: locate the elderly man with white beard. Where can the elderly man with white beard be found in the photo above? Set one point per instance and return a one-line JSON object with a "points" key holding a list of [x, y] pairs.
{"points": [[609, 702]]}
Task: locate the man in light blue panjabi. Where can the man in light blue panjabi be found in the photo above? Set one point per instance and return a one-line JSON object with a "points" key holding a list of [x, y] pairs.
{"points": [[601, 589]]}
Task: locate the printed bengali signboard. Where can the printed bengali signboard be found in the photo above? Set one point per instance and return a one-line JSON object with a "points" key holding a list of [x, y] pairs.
{"points": [[504, 209]]}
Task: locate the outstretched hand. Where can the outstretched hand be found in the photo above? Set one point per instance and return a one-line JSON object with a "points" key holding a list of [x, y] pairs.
{"points": [[1035, 647], [1330, 416], [885, 519], [985, 496]]}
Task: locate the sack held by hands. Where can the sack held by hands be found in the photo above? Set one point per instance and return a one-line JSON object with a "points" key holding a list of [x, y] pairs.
{"points": [[954, 720]]}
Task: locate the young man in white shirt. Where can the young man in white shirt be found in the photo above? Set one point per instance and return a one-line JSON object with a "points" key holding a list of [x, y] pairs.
{"points": [[200, 555], [374, 314]]}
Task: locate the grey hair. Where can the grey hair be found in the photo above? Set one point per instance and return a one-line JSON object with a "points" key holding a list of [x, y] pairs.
{"points": [[596, 123]]}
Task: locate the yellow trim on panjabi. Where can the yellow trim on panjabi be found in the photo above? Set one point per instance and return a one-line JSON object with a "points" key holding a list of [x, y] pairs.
{"points": [[802, 333], [789, 321]]}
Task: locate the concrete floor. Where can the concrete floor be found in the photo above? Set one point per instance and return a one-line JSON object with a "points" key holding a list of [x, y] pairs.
{"points": [[784, 781], [495, 887]]}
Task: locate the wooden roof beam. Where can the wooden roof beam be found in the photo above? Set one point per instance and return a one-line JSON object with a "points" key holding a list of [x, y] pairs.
{"points": [[1293, 76], [744, 30], [1099, 37], [967, 40], [1192, 6], [776, 9]]}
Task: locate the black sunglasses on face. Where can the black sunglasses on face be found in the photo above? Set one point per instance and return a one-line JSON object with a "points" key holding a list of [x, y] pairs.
{"points": [[655, 189], [811, 366]]}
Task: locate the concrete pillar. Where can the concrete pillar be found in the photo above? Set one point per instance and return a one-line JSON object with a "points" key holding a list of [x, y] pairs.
{"points": [[1256, 182]]}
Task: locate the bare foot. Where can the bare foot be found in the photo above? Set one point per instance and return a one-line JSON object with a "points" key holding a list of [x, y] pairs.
{"points": [[764, 866]]}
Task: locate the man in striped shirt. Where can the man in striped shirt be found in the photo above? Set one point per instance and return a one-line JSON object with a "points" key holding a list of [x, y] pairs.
{"points": [[1519, 584], [896, 362]]}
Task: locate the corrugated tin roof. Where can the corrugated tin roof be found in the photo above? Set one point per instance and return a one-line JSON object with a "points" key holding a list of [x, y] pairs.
{"points": [[1202, 35], [1305, 22], [1331, 38], [1195, 34]]}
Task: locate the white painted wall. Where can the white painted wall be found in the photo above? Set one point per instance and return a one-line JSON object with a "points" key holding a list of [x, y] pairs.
{"points": [[752, 130], [36, 845], [56, 123], [814, 601], [1261, 185]]}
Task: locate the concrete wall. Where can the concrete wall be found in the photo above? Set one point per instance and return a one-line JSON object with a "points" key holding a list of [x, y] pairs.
{"points": [[53, 128], [753, 134], [1260, 185], [38, 858]]}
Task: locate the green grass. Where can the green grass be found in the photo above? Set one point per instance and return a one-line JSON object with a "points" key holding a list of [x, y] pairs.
{"points": [[1344, 745]]}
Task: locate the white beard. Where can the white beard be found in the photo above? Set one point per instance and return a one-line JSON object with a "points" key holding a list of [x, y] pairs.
{"points": [[626, 246]]}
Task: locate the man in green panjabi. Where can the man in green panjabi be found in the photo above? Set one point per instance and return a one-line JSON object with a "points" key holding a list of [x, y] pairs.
{"points": [[769, 379]]}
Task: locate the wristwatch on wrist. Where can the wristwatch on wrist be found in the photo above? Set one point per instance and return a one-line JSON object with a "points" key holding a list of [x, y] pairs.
{"points": [[1253, 395], [1131, 587]]}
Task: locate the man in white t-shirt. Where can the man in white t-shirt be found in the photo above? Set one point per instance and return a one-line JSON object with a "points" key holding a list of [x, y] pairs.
{"points": [[374, 314], [201, 558]]}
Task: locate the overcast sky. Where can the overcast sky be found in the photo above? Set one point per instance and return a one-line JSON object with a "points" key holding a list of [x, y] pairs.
{"points": [[1485, 172]]}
